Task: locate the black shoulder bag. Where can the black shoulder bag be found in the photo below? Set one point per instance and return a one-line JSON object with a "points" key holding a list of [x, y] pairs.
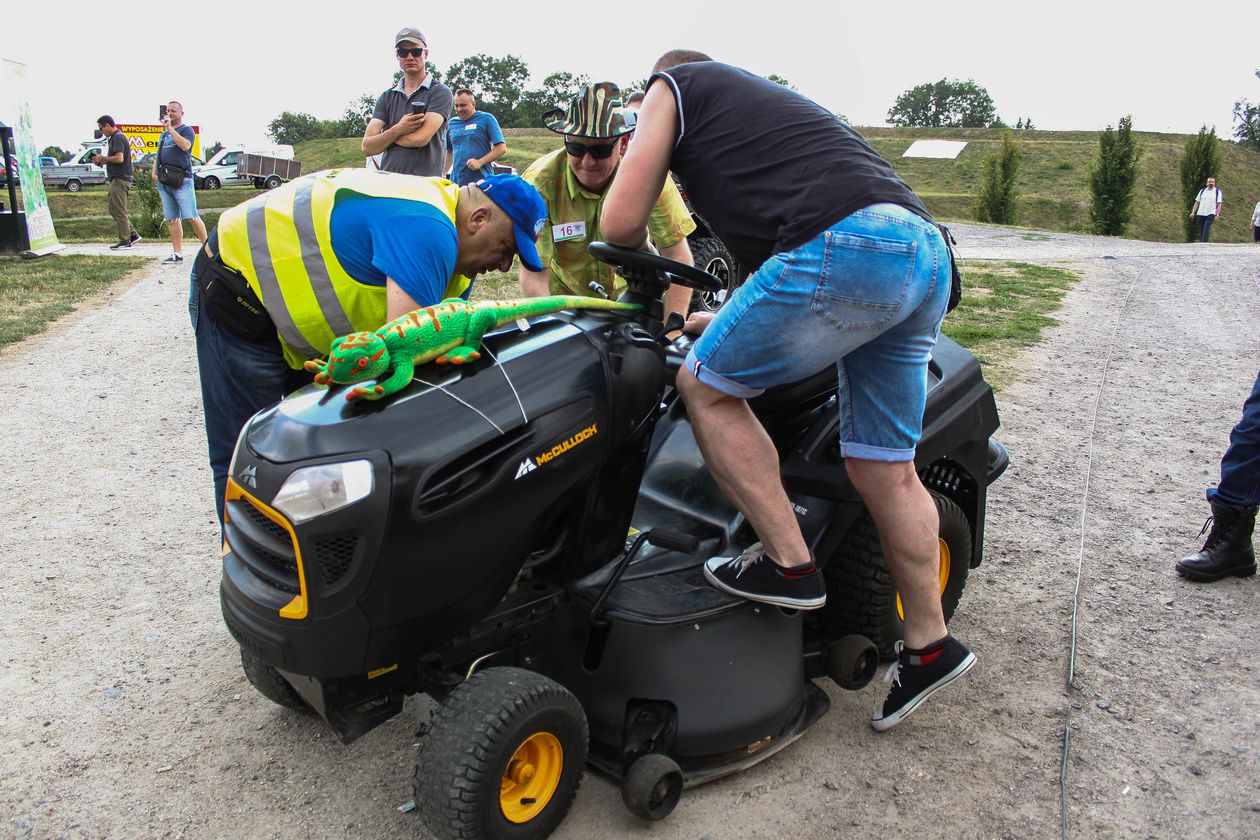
{"points": [[170, 174]]}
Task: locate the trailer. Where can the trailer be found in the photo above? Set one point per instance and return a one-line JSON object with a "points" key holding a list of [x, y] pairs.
{"points": [[72, 176], [224, 170], [267, 172]]}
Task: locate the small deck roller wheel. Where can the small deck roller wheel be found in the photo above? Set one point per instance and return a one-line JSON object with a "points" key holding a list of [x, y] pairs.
{"points": [[652, 786]]}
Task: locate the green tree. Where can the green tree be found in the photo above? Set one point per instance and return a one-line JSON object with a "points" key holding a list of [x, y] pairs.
{"points": [[1202, 159], [779, 80], [1247, 123], [290, 128], [56, 152], [944, 104], [355, 118], [211, 151], [996, 201], [556, 91], [498, 83], [1113, 179]]}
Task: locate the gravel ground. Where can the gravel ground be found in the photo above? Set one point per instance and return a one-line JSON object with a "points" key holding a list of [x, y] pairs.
{"points": [[126, 714]]}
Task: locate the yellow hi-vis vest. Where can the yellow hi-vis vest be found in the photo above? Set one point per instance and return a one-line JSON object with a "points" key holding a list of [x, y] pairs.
{"points": [[282, 243]]}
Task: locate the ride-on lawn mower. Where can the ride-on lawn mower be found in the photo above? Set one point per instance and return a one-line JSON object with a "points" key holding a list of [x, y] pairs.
{"points": [[522, 537]]}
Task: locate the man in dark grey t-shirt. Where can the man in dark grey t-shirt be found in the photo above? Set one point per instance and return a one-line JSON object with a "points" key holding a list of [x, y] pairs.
{"points": [[409, 121], [118, 170]]}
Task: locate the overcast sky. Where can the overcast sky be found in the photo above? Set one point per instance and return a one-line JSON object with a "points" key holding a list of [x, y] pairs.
{"points": [[1066, 65]]}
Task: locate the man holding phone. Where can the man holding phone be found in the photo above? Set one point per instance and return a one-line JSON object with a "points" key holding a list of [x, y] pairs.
{"points": [[178, 203], [119, 171], [409, 119]]}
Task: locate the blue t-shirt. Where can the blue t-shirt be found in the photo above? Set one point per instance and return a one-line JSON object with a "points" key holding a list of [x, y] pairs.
{"points": [[168, 152], [468, 139], [411, 241]]}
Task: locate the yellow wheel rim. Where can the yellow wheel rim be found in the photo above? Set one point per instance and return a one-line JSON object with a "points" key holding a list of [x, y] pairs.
{"points": [[531, 777], [944, 576]]}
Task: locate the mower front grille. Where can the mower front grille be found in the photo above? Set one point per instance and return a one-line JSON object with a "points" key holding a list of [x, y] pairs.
{"points": [[264, 546]]}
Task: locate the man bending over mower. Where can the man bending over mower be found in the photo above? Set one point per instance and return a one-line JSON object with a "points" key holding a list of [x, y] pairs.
{"points": [[330, 254], [852, 273]]}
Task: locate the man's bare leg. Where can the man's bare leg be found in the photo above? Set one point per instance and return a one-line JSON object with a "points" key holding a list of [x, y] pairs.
{"points": [[745, 465], [908, 525]]}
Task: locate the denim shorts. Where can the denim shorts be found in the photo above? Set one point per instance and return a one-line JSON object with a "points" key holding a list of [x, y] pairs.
{"points": [[867, 295], [178, 202]]}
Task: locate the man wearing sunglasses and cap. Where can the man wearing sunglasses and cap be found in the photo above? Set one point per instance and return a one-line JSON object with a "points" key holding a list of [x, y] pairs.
{"points": [[329, 254], [408, 122], [574, 180]]}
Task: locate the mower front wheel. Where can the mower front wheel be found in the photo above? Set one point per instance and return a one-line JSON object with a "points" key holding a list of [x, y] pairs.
{"points": [[502, 759], [267, 681]]}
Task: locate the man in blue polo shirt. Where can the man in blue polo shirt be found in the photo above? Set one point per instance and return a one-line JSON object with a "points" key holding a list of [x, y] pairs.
{"points": [[473, 140]]}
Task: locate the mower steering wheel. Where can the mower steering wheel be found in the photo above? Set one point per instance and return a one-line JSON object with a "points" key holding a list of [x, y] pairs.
{"points": [[632, 260]]}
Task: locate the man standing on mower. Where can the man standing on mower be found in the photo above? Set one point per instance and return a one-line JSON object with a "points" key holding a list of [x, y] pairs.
{"points": [[574, 181], [330, 254], [852, 273]]}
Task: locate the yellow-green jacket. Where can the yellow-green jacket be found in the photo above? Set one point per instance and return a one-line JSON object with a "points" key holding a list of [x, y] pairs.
{"points": [[282, 243]]}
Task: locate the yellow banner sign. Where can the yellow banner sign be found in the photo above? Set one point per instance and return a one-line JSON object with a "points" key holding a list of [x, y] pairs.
{"points": [[145, 138]]}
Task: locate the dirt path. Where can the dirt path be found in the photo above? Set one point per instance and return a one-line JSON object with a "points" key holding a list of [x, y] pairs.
{"points": [[125, 713]]}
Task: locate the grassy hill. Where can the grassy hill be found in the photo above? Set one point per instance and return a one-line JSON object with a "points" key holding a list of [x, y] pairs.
{"points": [[1053, 180], [1053, 175]]}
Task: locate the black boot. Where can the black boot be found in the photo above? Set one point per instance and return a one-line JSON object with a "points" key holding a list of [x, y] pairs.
{"points": [[1228, 550]]}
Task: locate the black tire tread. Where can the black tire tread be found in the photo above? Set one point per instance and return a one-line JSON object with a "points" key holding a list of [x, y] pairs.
{"points": [[456, 764], [267, 681], [861, 596], [703, 250]]}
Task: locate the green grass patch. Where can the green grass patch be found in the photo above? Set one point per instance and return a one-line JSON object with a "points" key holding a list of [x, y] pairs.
{"points": [[34, 293], [1004, 308]]}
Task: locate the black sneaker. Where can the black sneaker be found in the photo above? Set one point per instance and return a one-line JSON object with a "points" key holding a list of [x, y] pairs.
{"points": [[135, 237], [173, 258], [917, 675], [755, 576], [120, 244]]}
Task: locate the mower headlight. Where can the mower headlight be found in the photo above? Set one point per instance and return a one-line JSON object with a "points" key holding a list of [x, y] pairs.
{"points": [[314, 491]]}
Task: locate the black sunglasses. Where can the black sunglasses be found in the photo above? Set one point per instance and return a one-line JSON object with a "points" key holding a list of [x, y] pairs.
{"points": [[599, 152], [403, 52]]}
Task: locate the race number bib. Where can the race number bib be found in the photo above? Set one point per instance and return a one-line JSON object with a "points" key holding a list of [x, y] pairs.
{"points": [[568, 231]]}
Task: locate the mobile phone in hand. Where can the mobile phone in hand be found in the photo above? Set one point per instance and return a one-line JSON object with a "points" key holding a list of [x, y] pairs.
{"points": [[161, 112], [418, 107]]}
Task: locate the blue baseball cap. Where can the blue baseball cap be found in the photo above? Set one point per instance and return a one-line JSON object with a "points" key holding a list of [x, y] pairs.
{"points": [[524, 206]]}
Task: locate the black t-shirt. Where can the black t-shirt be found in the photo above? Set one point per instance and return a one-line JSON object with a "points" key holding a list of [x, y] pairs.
{"points": [[767, 168], [118, 143]]}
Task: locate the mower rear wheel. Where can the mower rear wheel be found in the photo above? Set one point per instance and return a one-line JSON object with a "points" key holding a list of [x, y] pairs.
{"points": [[861, 595], [652, 786], [502, 759], [267, 681]]}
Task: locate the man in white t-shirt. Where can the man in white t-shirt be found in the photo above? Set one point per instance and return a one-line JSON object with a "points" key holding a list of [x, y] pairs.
{"points": [[1207, 207], [1255, 223]]}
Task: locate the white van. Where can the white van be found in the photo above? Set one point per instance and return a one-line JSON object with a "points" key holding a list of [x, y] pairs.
{"points": [[220, 170]]}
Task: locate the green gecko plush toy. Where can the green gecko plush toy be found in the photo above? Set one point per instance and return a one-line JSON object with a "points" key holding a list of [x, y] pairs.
{"points": [[449, 332]]}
